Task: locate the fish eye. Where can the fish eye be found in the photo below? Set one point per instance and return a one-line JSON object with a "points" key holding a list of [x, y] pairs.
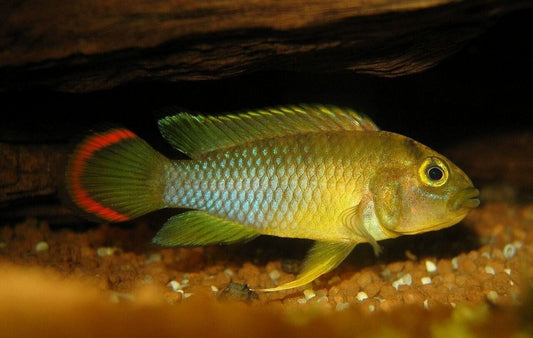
{"points": [[433, 172]]}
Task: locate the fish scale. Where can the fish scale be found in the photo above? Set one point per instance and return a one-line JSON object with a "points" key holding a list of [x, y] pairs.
{"points": [[269, 190], [266, 191]]}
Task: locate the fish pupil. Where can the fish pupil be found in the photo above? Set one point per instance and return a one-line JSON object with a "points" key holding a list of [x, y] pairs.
{"points": [[435, 173]]}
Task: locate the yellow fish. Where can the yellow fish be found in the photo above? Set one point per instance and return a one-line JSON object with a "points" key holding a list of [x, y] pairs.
{"points": [[309, 171]]}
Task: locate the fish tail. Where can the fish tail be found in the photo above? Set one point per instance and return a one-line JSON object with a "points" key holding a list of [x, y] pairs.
{"points": [[116, 176]]}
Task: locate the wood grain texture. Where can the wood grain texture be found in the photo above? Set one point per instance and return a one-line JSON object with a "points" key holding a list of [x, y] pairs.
{"points": [[86, 45], [30, 170]]}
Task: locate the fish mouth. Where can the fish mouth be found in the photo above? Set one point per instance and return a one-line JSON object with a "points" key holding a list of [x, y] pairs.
{"points": [[465, 199]]}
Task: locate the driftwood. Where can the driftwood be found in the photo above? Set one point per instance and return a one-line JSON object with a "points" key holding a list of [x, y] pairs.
{"points": [[30, 170], [89, 45]]}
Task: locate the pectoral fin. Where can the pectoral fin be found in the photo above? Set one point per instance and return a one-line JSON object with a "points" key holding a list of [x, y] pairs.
{"points": [[323, 257], [194, 228]]}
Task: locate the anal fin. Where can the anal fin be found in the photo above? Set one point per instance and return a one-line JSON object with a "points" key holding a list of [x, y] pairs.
{"points": [[322, 257], [194, 228]]}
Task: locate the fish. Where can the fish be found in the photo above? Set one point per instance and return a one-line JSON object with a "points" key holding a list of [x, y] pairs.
{"points": [[312, 171]]}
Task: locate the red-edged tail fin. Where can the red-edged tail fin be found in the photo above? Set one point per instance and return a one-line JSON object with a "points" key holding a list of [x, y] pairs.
{"points": [[116, 176]]}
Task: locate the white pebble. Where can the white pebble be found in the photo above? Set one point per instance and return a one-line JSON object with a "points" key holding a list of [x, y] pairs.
{"points": [[41, 246], [214, 288], [385, 273], [455, 263], [187, 294], [492, 296], [431, 267], [396, 284], [342, 306], [228, 272], [309, 293], [175, 285], [490, 270], [185, 280], [105, 251], [404, 280], [301, 300], [361, 296], [507, 271], [425, 280], [426, 304], [509, 251], [372, 308], [408, 279], [274, 275], [322, 299], [486, 254]]}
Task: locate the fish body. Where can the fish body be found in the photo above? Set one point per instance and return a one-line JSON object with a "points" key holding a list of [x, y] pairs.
{"points": [[294, 186], [317, 172]]}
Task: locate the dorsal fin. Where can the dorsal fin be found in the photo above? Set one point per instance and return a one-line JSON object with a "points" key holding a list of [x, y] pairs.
{"points": [[195, 135]]}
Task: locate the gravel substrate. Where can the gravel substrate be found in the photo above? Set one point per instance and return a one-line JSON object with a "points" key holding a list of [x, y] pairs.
{"points": [[476, 269]]}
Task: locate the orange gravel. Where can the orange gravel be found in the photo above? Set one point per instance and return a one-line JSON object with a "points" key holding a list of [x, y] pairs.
{"points": [[484, 261]]}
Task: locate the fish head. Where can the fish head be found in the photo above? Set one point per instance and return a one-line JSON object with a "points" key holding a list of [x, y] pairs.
{"points": [[421, 193]]}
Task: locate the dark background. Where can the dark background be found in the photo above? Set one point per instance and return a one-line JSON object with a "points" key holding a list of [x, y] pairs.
{"points": [[482, 90]]}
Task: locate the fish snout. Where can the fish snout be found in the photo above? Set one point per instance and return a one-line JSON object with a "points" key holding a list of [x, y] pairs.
{"points": [[465, 199]]}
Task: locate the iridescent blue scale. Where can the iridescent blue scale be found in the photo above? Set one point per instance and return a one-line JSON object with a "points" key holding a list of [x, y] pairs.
{"points": [[262, 186]]}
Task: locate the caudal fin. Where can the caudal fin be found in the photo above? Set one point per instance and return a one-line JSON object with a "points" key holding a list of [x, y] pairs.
{"points": [[116, 176]]}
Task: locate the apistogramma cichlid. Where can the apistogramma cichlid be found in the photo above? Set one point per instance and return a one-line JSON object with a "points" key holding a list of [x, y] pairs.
{"points": [[308, 171]]}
